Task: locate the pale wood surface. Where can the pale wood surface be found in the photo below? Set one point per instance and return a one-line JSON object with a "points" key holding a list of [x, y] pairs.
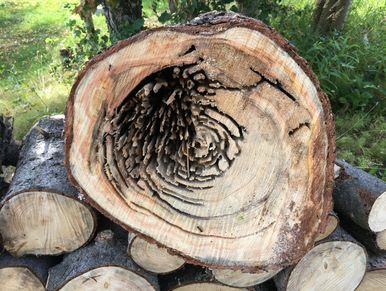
{"points": [[213, 140], [242, 279]]}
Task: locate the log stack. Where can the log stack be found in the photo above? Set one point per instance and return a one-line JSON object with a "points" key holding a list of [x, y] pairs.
{"points": [[202, 157]]}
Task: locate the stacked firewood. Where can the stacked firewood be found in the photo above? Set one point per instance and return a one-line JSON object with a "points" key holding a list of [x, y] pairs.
{"points": [[193, 157]]}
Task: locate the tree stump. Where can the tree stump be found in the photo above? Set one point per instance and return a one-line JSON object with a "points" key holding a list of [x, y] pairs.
{"points": [[212, 139], [151, 257], [41, 213], [98, 266], [335, 263], [27, 273]]}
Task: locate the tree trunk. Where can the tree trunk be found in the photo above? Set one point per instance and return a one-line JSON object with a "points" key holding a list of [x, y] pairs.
{"points": [[198, 136], [360, 197], [330, 15], [98, 266], [41, 213], [27, 273], [151, 257], [86, 9], [119, 15], [375, 277], [335, 263]]}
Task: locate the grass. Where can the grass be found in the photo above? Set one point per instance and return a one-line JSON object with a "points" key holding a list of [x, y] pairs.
{"points": [[350, 66]]}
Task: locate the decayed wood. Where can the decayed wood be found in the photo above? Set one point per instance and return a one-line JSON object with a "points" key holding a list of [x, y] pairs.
{"points": [[211, 139], [375, 277], [41, 213], [152, 257], [101, 265], [336, 263], [356, 195], [191, 278], [26, 273], [242, 279]]}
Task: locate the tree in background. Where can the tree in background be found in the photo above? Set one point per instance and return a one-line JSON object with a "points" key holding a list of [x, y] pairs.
{"points": [[330, 15]]}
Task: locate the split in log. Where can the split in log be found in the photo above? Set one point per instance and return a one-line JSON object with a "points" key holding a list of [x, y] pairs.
{"points": [[27, 273], [212, 139], [152, 257], [356, 195], [332, 224], [194, 278], [103, 264], [335, 263], [240, 279], [375, 277], [41, 213]]}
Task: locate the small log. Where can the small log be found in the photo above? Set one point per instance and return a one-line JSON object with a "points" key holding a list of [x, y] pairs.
{"points": [[41, 213], [101, 265], [375, 277], [151, 257], [374, 242], [26, 273], [332, 224], [191, 278], [358, 197], [335, 263], [211, 138], [242, 279]]}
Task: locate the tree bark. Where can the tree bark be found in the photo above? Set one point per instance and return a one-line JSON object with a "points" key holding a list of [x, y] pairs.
{"points": [[100, 265], [151, 257], [330, 15], [358, 197], [335, 263], [200, 139], [27, 273], [9, 148], [41, 213], [119, 15]]}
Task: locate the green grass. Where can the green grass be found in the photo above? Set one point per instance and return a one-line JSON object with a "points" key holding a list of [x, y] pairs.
{"points": [[351, 67]]}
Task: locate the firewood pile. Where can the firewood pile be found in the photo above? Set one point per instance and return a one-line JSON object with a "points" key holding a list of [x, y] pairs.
{"points": [[191, 157]]}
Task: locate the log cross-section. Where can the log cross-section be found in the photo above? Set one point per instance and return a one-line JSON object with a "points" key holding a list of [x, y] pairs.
{"points": [[212, 139]]}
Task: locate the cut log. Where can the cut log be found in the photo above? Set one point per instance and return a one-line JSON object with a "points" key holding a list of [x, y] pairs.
{"points": [[369, 239], [212, 139], [152, 257], [101, 265], [335, 263], [356, 195], [241, 279], [41, 213], [27, 273], [332, 224], [375, 277], [194, 278]]}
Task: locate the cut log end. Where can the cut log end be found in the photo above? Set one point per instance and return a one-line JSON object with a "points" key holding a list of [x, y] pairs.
{"points": [[19, 278], [203, 138], [153, 258], [334, 265], [108, 278], [240, 279], [381, 240], [377, 216], [373, 281], [27, 218], [207, 287], [332, 224]]}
